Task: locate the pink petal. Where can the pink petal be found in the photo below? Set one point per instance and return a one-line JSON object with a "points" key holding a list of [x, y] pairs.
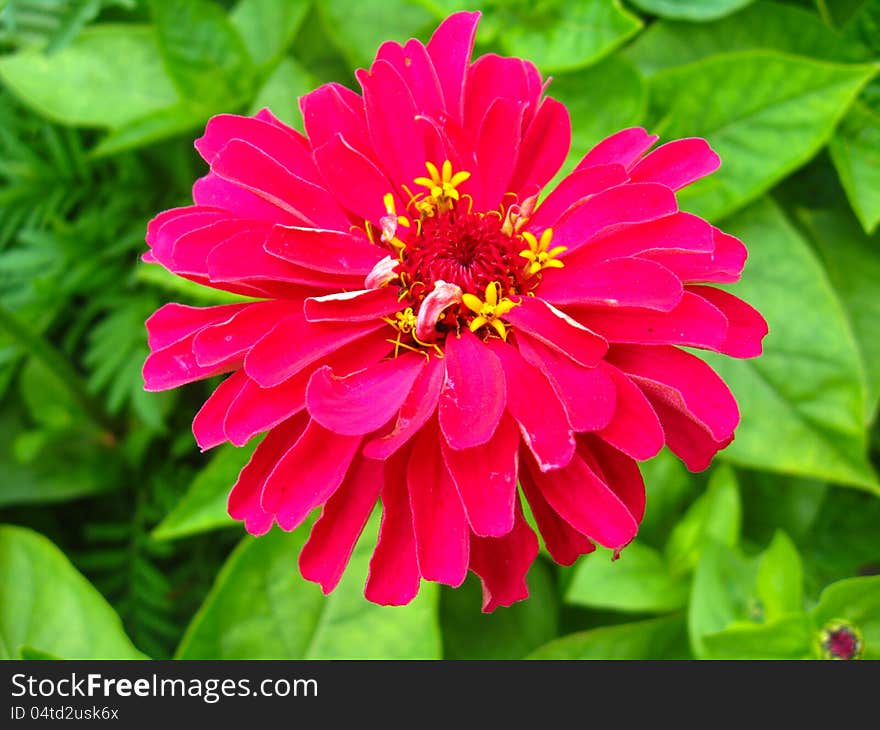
{"points": [[587, 394], [556, 329], [626, 282], [363, 401], [164, 230], [174, 322], [494, 77], [189, 253], [415, 66], [563, 542], [688, 439], [352, 306], [337, 252], [693, 322], [485, 477], [677, 164], [545, 430], [544, 146], [450, 50], [393, 579], [245, 497], [176, 365], [497, 151], [573, 189], [343, 518], [618, 471], [441, 529], [473, 395], [683, 381], [307, 474], [295, 343], [207, 426], [723, 264], [622, 148], [333, 109], [630, 203], [746, 326], [634, 428], [587, 503], [418, 407], [213, 190], [503, 562]]}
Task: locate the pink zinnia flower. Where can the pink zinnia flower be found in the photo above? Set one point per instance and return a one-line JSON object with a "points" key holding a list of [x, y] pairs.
{"points": [[434, 328]]}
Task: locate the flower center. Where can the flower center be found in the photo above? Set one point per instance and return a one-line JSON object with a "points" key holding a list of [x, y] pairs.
{"points": [[841, 641]]}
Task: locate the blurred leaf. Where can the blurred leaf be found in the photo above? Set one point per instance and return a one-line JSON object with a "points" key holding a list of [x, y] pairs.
{"points": [[282, 90], [508, 632], [639, 580], [856, 601], [261, 608], [763, 25], [560, 35], [691, 9], [852, 261], [785, 638], [268, 27], [862, 24], [74, 620], [670, 488], [803, 400], [203, 507], [188, 291], [714, 516], [777, 501], [764, 113], [722, 592], [779, 583], [659, 638], [152, 127], [203, 53], [109, 76], [855, 149]]}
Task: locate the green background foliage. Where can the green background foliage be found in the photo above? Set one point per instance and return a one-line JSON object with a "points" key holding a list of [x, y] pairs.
{"points": [[117, 542]]}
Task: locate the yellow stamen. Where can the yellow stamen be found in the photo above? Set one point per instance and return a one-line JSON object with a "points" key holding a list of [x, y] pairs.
{"points": [[442, 188], [490, 310], [539, 254]]}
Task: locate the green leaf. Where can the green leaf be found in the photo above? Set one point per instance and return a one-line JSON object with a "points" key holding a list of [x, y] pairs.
{"points": [[639, 580], [852, 261], [855, 150], [659, 638], [780, 579], [47, 606], [744, 104], [763, 25], [560, 35], [671, 488], [203, 53], [152, 127], [786, 638], [282, 90], [722, 592], [189, 291], [261, 608], [714, 516], [857, 602], [691, 9], [776, 501], [268, 27], [508, 632], [109, 76], [803, 401], [203, 507]]}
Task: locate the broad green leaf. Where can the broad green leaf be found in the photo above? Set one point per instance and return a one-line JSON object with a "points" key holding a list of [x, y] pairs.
{"points": [[852, 261], [722, 592], [763, 25], [764, 113], [153, 127], [560, 35], [670, 488], [855, 149], [639, 580], [699, 10], [203, 507], [714, 516], [861, 25], [261, 608], [777, 501], [203, 53], [268, 27], [109, 76], [780, 579], [506, 633], [281, 92], [659, 638], [790, 637], [48, 607], [857, 602], [803, 401]]}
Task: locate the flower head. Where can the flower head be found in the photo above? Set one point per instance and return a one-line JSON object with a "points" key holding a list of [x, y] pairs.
{"points": [[432, 328]]}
